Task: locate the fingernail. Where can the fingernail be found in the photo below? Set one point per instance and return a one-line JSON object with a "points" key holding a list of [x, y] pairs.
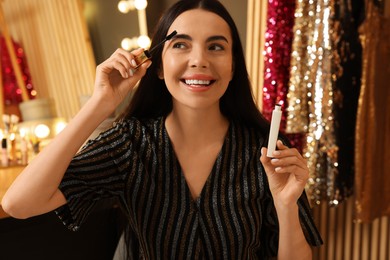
{"points": [[274, 160], [278, 169], [133, 63], [276, 153], [126, 75], [131, 72]]}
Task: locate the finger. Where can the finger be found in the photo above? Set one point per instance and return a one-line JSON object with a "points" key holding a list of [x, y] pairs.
{"points": [[117, 61], [284, 150], [281, 145], [129, 55], [130, 61], [299, 173], [287, 161], [266, 161], [121, 66], [264, 158]]}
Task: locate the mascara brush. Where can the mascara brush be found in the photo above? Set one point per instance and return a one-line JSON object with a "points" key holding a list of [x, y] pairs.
{"points": [[147, 54]]}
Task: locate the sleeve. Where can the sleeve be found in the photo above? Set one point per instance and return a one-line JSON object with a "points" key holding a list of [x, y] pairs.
{"points": [[270, 232], [95, 173], [310, 230], [269, 237]]}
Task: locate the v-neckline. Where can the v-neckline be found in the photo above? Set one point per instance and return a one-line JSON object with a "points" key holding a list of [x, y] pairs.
{"points": [[196, 200]]}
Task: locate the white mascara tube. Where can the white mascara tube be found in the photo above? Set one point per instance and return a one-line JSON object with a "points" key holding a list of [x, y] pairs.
{"points": [[274, 130]]}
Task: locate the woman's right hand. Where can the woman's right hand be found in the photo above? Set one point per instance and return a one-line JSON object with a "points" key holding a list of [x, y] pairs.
{"points": [[117, 76]]}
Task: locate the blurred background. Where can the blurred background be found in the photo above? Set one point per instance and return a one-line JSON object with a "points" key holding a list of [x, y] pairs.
{"points": [[325, 62]]}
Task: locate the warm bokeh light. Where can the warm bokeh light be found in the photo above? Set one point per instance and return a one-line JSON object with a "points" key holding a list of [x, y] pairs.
{"points": [[140, 4], [124, 6], [143, 41], [22, 132], [126, 43], [59, 127], [129, 43], [42, 131]]}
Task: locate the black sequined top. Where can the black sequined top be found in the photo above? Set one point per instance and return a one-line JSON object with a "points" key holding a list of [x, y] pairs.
{"points": [[233, 218]]}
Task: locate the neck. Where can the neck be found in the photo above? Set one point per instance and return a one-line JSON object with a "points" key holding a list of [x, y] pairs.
{"points": [[196, 127]]}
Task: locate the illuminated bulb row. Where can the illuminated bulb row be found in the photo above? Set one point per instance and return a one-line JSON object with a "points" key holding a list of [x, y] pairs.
{"points": [[142, 41], [125, 6], [41, 130]]}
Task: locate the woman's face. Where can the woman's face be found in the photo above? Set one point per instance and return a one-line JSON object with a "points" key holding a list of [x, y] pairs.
{"points": [[197, 64]]}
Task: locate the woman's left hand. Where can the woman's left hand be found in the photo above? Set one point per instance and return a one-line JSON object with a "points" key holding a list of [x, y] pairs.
{"points": [[287, 174]]}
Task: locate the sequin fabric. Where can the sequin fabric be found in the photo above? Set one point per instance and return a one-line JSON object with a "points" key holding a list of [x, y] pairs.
{"points": [[373, 119], [348, 70], [12, 93], [277, 51], [311, 97]]}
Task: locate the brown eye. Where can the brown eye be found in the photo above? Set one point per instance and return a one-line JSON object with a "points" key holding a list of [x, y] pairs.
{"points": [[179, 45], [216, 47]]}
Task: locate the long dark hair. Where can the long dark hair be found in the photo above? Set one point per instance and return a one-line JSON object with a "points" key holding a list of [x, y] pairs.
{"points": [[152, 98]]}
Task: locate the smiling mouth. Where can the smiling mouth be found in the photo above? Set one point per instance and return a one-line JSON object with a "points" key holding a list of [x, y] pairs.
{"points": [[198, 83]]}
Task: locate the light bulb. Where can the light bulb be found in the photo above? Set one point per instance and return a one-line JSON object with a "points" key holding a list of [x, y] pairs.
{"points": [[140, 4], [126, 43], [12, 136], [22, 132], [42, 131], [124, 6], [143, 41], [59, 127], [129, 44]]}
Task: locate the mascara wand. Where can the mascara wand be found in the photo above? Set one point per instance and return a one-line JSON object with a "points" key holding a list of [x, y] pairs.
{"points": [[146, 54]]}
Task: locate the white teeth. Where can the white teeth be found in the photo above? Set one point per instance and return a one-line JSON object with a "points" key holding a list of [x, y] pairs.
{"points": [[197, 82]]}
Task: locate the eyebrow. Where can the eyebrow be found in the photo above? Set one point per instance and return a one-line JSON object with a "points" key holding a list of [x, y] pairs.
{"points": [[210, 39]]}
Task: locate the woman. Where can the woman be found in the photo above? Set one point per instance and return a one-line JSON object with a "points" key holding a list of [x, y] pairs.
{"points": [[186, 160]]}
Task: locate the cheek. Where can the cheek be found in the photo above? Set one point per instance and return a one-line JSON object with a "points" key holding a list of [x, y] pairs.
{"points": [[168, 68]]}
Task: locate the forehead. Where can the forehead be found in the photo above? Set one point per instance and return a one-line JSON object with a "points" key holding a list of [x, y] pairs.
{"points": [[198, 21]]}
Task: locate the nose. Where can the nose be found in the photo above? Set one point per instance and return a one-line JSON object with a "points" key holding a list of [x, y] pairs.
{"points": [[198, 58]]}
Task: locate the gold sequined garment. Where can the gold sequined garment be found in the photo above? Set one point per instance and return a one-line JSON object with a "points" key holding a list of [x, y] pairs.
{"points": [[372, 154], [310, 97]]}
